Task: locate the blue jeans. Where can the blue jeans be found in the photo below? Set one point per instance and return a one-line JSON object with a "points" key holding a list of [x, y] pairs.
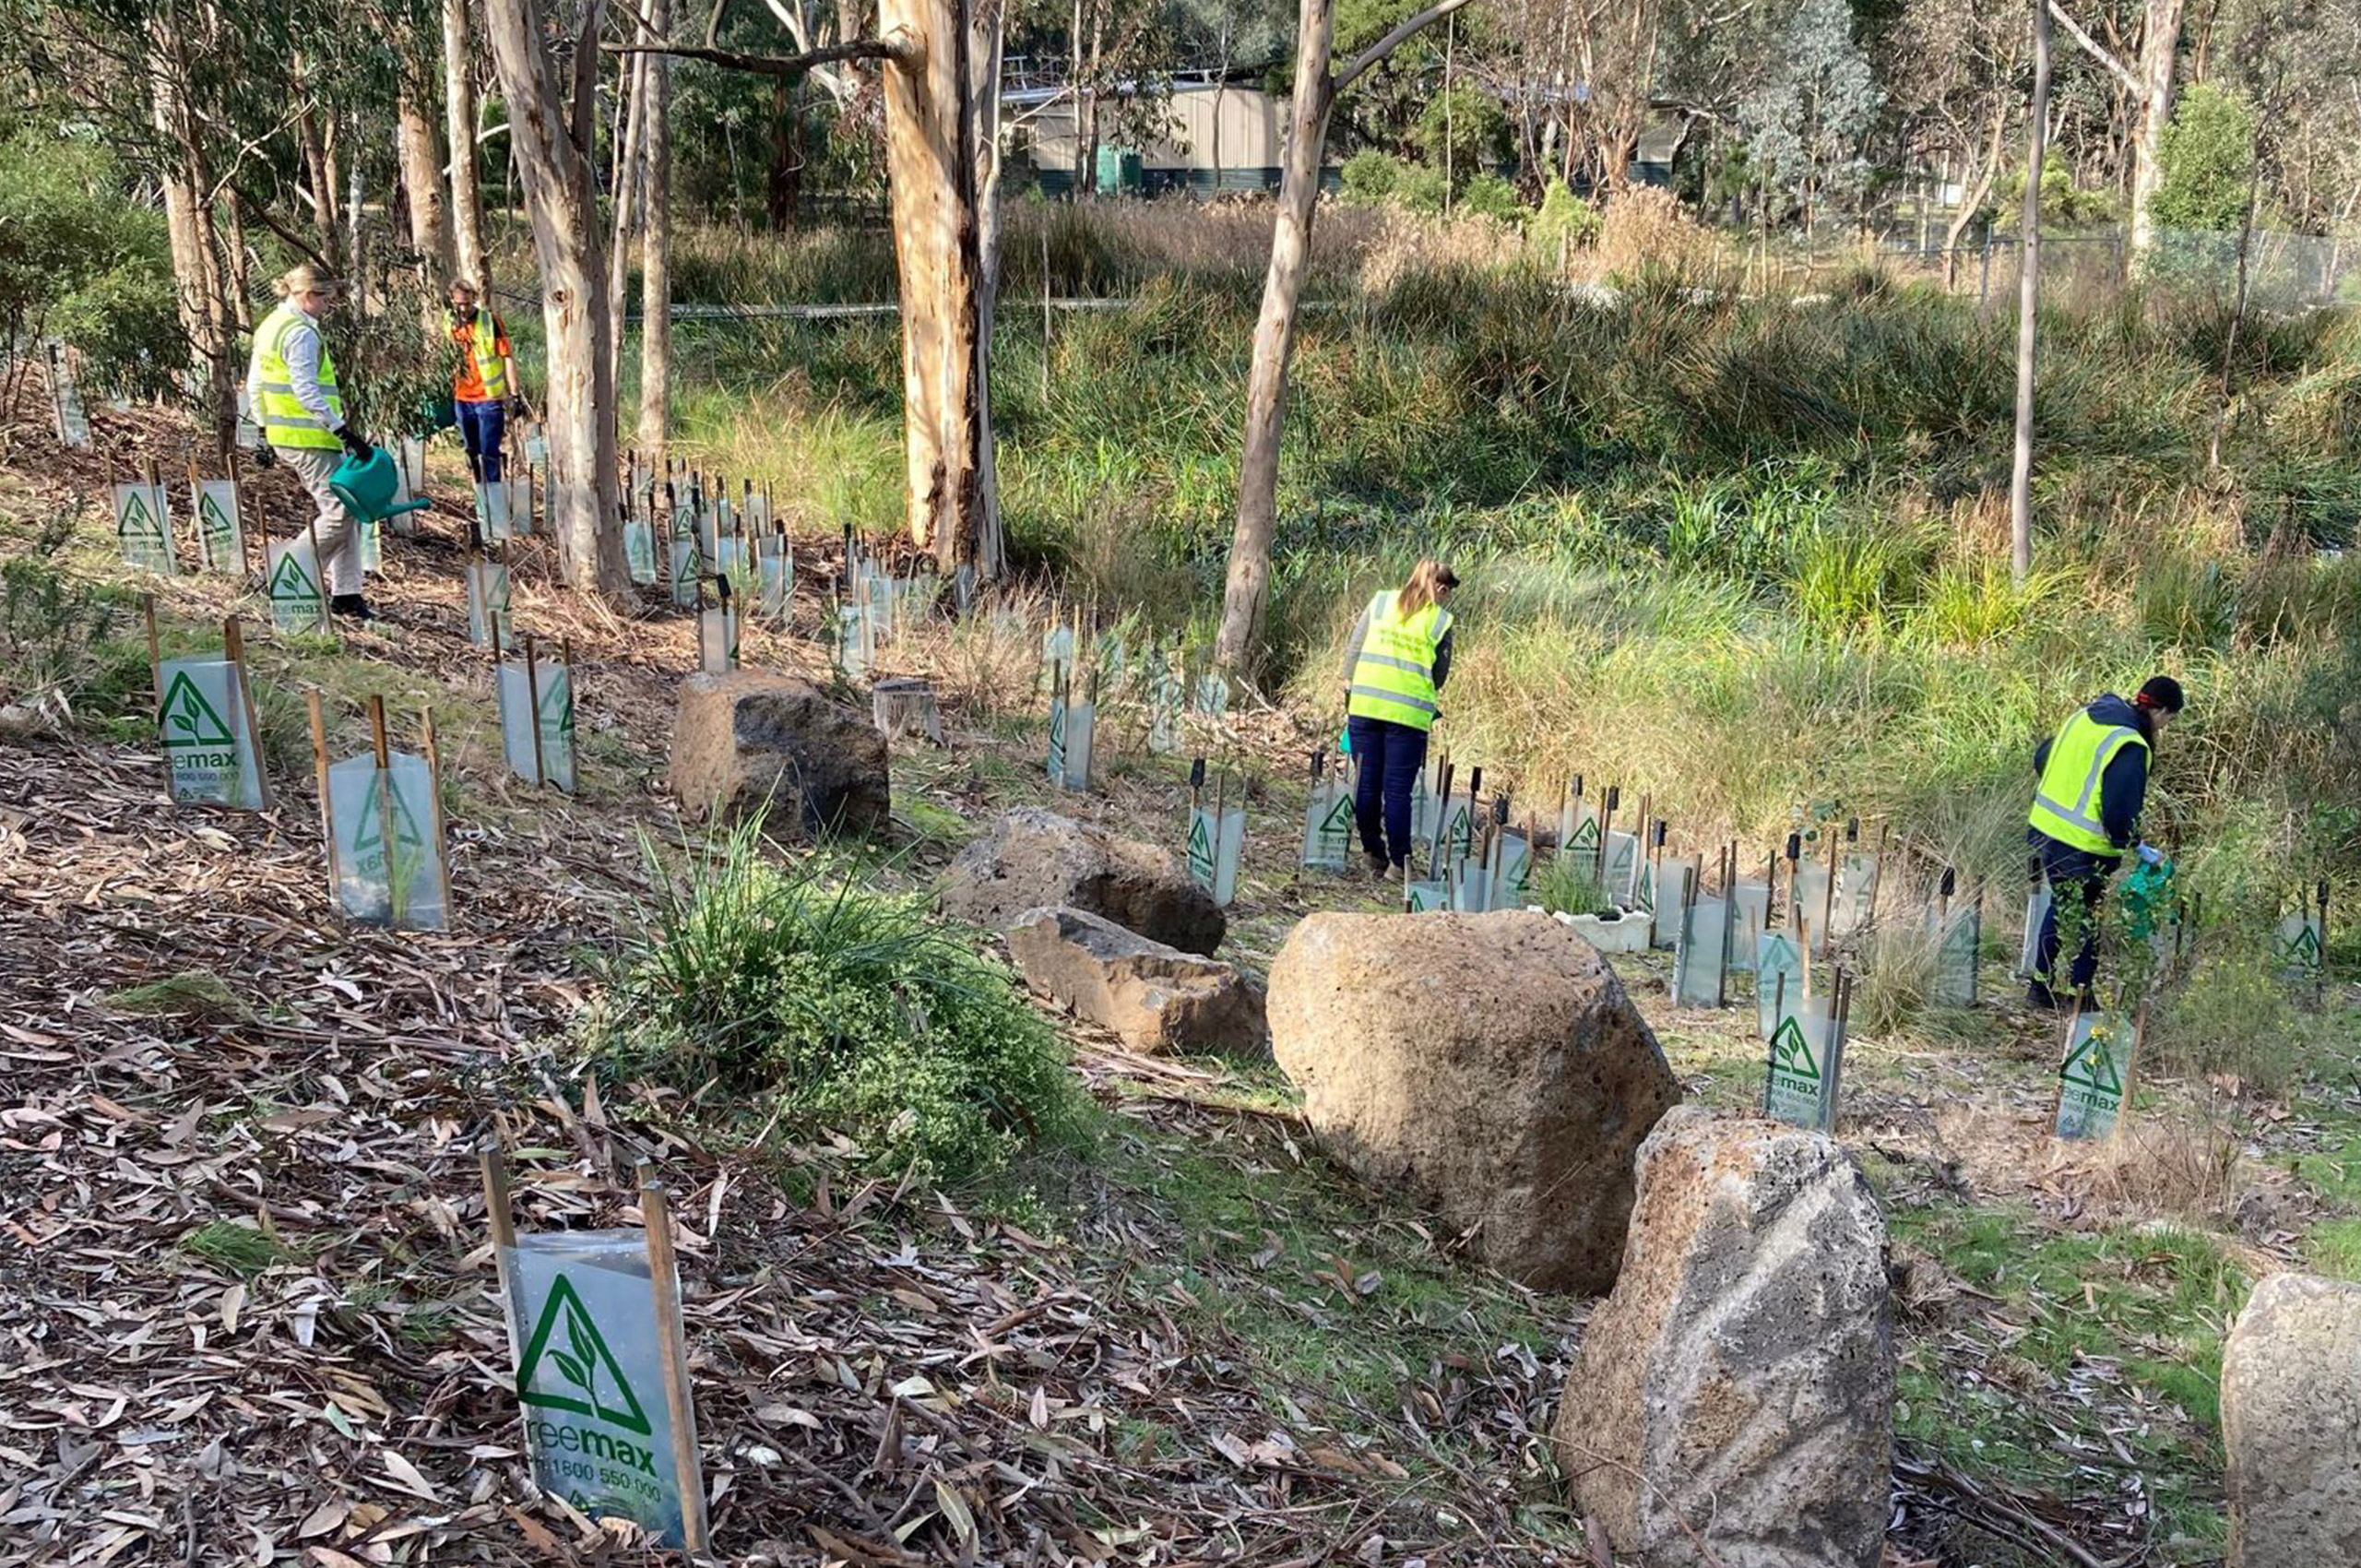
{"points": [[481, 425], [1391, 755], [2073, 874]]}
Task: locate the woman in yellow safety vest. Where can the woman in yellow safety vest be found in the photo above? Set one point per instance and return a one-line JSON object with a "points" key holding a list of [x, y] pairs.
{"points": [[1395, 667], [291, 393], [2094, 779]]}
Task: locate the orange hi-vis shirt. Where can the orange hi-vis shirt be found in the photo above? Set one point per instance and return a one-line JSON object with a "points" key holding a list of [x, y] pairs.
{"points": [[467, 381]]}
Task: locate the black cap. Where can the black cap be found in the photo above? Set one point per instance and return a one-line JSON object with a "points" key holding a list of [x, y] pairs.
{"points": [[2161, 693]]}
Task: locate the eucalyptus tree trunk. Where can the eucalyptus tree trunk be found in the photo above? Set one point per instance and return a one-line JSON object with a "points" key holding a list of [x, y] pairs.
{"points": [[1246, 596], [460, 130], [1247, 593], [2028, 303], [942, 158], [656, 250], [552, 120], [422, 166]]}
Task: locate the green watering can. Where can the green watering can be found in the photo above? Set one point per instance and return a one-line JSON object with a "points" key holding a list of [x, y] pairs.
{"points": [[367, 487]]}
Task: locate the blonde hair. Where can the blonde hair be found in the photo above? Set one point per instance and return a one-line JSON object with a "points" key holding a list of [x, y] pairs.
{"points": [[302, 278], [1427, 580]]}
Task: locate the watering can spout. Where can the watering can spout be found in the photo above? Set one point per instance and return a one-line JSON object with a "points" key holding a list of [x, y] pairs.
{"points": [[367, 487]]}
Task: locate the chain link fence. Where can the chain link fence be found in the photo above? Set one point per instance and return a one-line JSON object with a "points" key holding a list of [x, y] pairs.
{"points": [[2285, 272]]}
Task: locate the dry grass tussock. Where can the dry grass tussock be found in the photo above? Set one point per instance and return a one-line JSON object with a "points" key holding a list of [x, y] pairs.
{"points": [[1407, 245], [986, 666], [1644, 228], [2177, 1167]]}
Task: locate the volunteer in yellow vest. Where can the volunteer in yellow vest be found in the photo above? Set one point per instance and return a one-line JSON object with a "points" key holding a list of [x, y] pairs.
{"points": [[2094, 779], [291, 393], [483, 380], [1395, 668]]}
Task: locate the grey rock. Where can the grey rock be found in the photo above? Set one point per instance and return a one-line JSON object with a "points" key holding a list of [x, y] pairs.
{"points": [[1733, 1401], [1489, 1065], [1032, 859], [2290, 1422], [1156, 998]]}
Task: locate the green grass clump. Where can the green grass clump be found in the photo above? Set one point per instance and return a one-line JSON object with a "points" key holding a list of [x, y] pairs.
{"points": [[763, 990], [241, 1249], [193, 993]]}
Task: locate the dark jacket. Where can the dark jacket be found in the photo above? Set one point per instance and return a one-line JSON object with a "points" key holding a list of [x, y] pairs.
{"points": [[2123, 787]]}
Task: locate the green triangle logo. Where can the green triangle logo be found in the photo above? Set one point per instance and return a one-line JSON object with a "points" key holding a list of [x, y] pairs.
{"points": [[405, 833], [584, 1363], [213, 520], [288, 580], [2301, 947], [557, 707], [188, 718], [1339, 818], [136, 519], [2090, 1064], [1647, 892], [1586, 834], [1201, 849], [1790, 1050]]}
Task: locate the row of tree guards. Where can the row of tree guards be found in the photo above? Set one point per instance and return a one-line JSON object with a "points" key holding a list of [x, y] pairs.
{"points": [[1734, 922]]}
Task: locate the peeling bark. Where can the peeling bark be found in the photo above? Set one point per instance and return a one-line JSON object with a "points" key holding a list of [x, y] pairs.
{"points": [[552, 153]]}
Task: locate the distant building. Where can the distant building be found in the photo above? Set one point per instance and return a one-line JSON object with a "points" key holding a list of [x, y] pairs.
{"points": [[1221, 136]]}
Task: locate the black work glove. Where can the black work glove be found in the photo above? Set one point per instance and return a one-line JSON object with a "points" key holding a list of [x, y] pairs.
{"points": [[266, 455], [355, 442]]}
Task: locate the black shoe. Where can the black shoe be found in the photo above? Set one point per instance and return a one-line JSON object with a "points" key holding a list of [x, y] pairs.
{"points": [[351, 607], [2041, 999], [1378, 865]]}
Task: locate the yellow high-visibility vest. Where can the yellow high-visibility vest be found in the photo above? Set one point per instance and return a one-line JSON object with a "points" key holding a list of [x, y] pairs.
{"points": [[2066, 804], [285, 420], [1395, 676], [485, 342]]}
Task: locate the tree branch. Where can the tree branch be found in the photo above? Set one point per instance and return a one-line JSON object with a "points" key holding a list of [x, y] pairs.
{"points": [[779, 64], [261, 212], [1403, 31], [2095, 49]]}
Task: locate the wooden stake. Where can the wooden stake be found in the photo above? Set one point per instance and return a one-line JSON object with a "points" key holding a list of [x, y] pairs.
{"points": [[327, 622], [245, 566], [234, 648], [327, 808], [533, 711], [664, 1271], [434, 809], [385, 786], [155, 674], [500, 1218]]}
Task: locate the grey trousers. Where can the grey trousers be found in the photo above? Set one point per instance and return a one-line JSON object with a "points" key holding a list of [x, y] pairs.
{"points": [[337, 529]]}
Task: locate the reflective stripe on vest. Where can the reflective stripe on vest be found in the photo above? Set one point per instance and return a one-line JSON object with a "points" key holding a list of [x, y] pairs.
{"points": [[285, 420], [484, 343], [2067, 804], [1394, 677]]}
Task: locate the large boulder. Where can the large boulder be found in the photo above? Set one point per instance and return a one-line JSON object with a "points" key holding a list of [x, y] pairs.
{"points": [[1154, 997], [1733, 1402], [748, 740], [2290, 1422], [1491, 1064], [1033, 859]]}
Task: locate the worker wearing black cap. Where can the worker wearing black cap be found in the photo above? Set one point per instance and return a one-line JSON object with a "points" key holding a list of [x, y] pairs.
{"points": [[2085, 815]]}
